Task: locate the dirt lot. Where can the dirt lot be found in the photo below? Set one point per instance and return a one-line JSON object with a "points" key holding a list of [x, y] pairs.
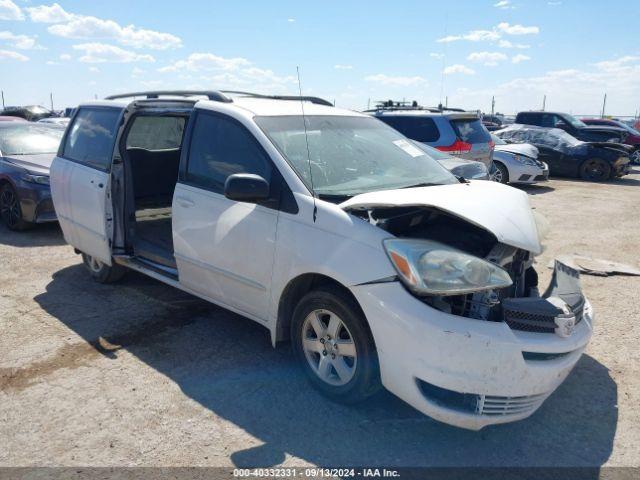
{"points": [[141, 374]]}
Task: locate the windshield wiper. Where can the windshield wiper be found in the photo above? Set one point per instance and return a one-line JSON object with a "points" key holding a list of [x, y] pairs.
{"points": [[425, 184]]}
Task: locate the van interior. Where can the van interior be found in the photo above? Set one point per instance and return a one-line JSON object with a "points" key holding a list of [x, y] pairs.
{"points": [[152, 156]]}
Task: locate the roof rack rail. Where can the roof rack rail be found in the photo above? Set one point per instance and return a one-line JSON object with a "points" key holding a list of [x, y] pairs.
{"points": [[316, 100], [210, 94]]}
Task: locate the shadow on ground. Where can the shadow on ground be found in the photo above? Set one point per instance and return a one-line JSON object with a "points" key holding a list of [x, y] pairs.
{"points": [[226, 363], [44, 235], [535, 189]]}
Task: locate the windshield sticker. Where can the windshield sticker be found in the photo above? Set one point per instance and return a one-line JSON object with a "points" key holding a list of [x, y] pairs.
{"points": [[408, 148]]}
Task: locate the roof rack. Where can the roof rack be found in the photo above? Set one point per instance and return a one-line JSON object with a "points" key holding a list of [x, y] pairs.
{"points": [[210, 94], [316, 100]]}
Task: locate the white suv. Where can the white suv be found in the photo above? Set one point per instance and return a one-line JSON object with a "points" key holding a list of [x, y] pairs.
{"points": [[333, 231]]}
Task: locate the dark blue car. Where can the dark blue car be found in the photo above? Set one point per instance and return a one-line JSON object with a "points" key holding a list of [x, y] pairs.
{"points": [[26, 153]]}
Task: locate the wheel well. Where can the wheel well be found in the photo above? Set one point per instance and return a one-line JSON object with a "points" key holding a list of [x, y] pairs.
{"points": [[293, 293]]}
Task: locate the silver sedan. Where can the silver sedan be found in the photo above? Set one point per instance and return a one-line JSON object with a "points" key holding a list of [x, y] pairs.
{"points": [[517, 163]]}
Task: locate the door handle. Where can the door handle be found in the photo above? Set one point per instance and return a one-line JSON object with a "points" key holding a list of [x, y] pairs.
{"points": [[185, 202]]}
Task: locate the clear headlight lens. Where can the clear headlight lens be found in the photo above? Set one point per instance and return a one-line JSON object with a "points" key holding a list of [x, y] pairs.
{"points": [[41, 179], [526, 160], [431, 268]]}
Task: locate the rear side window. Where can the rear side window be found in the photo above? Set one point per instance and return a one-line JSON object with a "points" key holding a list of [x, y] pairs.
{"points": [[420, 129], [156, 133], [221, 147], [471, 130], [91, 137]]}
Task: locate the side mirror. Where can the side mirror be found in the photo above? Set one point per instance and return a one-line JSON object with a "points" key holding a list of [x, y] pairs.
{"points": [[246, 187]]}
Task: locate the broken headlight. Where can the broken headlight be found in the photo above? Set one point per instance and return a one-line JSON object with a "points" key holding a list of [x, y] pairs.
{"points": [[431, 268]]}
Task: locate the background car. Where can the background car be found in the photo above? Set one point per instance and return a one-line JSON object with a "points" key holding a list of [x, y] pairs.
{"points": [[33, 113], [4, 118], [633, 137], [62, 121], [568, 156], [26, 153], [518, 163], [572, 126], [457, 133], [461, 168]]}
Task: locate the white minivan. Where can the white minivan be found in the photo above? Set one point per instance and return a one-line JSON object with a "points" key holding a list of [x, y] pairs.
{"points": [[336, 233]]}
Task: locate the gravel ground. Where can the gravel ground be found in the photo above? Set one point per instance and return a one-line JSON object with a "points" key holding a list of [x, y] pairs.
{"points": [[139, 373]]}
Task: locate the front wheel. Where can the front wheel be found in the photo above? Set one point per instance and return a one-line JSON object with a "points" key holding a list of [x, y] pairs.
{"points": [[101, 272], [595, 169], [10, 210], [501, 175], [333, 343], [635, 156]]}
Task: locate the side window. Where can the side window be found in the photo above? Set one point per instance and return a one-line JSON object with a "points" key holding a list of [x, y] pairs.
{"points": [[526, 119], [420, 129], [91, 137], [221, 147], [156, 133]]}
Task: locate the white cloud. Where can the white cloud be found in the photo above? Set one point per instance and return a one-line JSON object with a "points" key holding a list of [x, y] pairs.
{"points": [[10, 55], [490, 59], [206, 62], [102, 52], [571, 89], [493, 35], [507, 44], [553, 4], [70, 25], [65, 57], [438, 56], [10, 11], [473, 36], [22, 42], [503, 4], [137, 72], [517, 29], [520, 58], [343, 67], [397, 81], [229, 73], [451, 69], [48, 14], [94, 69], [291, 20]]}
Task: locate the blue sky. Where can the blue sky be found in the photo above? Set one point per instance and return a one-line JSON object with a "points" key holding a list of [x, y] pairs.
{"points": [[352, 52]]}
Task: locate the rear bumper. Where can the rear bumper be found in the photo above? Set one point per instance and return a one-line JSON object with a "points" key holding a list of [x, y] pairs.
{"points": [[465, 372]]}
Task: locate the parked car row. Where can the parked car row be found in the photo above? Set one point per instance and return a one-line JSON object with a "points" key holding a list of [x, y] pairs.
{"points": [[377, 254]]}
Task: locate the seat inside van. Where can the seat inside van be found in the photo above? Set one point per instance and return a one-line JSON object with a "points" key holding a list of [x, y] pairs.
{"points": [[153, 148]]}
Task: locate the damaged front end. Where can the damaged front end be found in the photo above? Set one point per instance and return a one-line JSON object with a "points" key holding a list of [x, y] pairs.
{"points": [[462, 269]]}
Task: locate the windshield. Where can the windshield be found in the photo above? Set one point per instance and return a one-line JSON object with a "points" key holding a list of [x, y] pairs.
{"points": [[351, 155], [574, 121], [497, 140], [29, 139], [553, 138]]}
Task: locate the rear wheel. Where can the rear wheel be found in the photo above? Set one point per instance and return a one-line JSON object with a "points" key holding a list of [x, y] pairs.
{"points": [[595, 169], [332, 341], [10, 209], [102, 272], [501, 175]]}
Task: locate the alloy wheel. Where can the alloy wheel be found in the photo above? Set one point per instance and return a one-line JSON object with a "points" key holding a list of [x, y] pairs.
{"points": [[10, 207], [497, 176], [596, 170], [635, 157], [94, 264], [329, 347]]}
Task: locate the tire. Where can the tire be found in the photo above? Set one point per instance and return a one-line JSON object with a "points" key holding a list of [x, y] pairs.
{"points": [[102, 272], [350, 361], [501, 175], [635, 156], [595, 169], [10, 210]]}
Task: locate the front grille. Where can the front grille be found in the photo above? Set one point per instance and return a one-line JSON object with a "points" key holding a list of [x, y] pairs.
{"points": [[494, 405], [538, 322], [491, 405]]}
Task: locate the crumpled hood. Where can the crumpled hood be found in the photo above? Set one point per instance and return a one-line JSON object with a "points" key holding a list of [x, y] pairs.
{"points": [[525, 149], [502, 210], [38, 164]]}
